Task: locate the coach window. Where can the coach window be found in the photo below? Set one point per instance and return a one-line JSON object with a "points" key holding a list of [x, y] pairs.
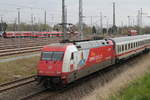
{"points": [[118, 49], [122, 48], [140, 43], [72, 56], [135, 44], [125, 47], [131, 45]]}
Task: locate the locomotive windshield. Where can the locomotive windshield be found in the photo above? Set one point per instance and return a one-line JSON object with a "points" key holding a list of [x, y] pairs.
{"points": [[52, 56]]}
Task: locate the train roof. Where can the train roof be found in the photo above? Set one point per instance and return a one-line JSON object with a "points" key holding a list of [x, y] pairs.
{"points": [[56, 47], [92, 44], [130, 38], [84, 44]]}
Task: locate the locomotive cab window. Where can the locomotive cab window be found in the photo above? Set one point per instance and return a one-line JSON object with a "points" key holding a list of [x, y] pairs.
{"points": [[52, 56]]}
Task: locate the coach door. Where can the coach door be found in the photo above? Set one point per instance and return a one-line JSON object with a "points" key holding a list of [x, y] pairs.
{"points": [[74, 65], [76, 60]]}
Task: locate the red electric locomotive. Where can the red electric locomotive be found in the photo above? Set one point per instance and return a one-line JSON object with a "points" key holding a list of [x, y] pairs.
{"points": [[64, 63]]}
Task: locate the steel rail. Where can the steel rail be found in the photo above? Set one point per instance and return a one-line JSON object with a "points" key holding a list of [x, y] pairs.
{"points": [[16, 83]]}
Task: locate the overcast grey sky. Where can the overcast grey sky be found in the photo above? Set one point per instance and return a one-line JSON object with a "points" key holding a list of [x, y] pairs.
{"points": [[124, 8]]}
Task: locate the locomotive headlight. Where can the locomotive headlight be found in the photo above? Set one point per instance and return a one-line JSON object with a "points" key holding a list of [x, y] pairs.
{"points": [[40, 71]]}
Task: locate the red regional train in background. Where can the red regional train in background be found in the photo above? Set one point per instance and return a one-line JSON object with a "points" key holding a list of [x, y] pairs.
{"points": [[63, 63], [31, 34], [132, 32]]}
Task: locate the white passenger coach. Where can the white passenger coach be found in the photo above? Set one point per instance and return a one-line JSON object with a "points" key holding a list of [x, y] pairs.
{"points": [[130, 46]]}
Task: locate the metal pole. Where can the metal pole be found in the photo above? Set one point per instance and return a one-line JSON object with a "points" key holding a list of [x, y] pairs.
{"points": [[106, 23], [15, 23], [64, 21], [122, 26], [114, 18], [138, 21], [101, 22], [2, 23], [91, 21], [18, 19], [138, 18], [129, 21], [32, 21], [45, 19], [107, 26], [66, 15], [81, 19], [141, 21], [141, 17], [114, 15]]}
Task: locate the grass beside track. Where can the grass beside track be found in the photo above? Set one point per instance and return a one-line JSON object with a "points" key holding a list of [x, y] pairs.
{"points": [[137, 90], [18, 69]]}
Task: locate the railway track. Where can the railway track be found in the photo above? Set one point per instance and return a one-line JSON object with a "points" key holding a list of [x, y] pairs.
{"points": [[120, 67], [45, 94], [53, 94], [34, 94], [7, 50], [17, 83], [3, 47], [19, 51], [24, 41], [13, 47]]}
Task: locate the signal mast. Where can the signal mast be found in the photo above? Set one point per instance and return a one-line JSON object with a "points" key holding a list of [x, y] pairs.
{"points": [[81, 19], [64, 20]]}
